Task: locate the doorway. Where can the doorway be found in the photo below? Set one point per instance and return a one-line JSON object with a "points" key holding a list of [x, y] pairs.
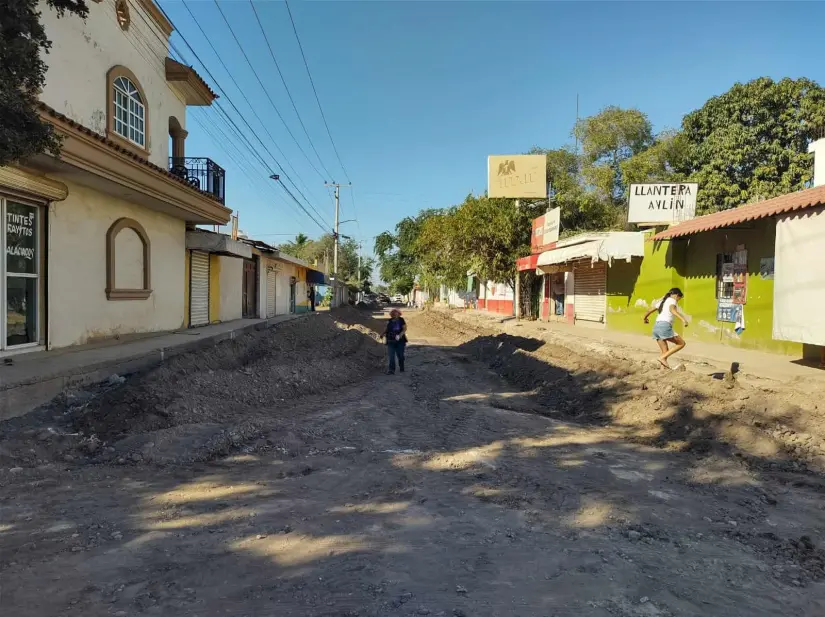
{"points": [[20, 274], [293, 284], [249, 307]]}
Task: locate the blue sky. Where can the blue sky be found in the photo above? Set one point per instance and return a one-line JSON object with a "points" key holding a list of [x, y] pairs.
{"points": [[417, 94]]}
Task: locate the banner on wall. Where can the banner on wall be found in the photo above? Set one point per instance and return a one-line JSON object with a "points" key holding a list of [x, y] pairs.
{"points": [[740, 275]]}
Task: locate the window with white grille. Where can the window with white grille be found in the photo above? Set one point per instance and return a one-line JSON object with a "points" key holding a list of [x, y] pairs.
{"points": [[130, 112]]}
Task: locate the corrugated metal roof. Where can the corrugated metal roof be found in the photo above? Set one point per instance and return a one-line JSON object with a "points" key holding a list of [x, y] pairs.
{"points": [[751, 212]]}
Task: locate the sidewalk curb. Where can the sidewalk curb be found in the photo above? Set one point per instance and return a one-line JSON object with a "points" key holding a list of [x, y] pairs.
{"points": [[21, 397]]}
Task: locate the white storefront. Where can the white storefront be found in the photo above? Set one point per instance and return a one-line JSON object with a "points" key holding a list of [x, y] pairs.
{"points": [[588, 257]]}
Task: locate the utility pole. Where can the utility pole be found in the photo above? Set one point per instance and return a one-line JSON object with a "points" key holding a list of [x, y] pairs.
{"points": [[360, 280], [335, 231], [517, 303]]}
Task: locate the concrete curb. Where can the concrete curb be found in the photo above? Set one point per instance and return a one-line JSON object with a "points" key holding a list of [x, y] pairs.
{"points": [[21, 397]]}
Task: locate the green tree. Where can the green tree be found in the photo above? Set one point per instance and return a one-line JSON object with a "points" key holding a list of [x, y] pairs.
{"points": [[398, 261], [23, 40], [660, 162], [482, 235], [320, 254], [581, 207], [608, 138], [751, 142]]}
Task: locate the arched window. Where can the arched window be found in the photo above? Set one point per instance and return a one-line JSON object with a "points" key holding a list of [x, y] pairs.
{"points": [[129, 111]]}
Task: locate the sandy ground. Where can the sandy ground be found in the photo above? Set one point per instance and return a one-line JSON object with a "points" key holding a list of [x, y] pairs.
{"points": [[282, 474]]}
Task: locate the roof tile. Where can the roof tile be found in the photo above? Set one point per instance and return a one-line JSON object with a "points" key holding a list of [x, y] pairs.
{"points": [[751, 212]]}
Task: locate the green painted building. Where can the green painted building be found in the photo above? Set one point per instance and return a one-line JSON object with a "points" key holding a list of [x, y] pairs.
{"points": [[692, 263]]}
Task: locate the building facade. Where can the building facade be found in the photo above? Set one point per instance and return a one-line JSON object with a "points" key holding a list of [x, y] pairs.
{"points": [[95, 237]]}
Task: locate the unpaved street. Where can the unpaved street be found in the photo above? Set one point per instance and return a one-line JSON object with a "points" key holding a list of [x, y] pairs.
{"points": [[282, 474]]}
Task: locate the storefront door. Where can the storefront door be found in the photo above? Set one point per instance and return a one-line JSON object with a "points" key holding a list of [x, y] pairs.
{"points": [[590, 291], [20, 271], [250, 288]]}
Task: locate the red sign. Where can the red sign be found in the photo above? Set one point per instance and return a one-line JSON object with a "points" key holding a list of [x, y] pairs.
{"points": [[527, 263], [545, 232]]}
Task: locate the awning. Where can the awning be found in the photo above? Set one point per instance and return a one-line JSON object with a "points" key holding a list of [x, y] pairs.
{"points": [[618, 245], [527, 263], [211, 242], [315, 277]]}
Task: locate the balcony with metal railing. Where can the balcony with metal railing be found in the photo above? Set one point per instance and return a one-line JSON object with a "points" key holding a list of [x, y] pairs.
{"points": [[201, 173]]}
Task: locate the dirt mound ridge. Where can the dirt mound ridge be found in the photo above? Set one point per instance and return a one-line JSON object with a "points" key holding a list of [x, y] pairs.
{"points": [[227, 390], [679, 410]]}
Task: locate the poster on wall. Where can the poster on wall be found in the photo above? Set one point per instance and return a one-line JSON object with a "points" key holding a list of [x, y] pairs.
{"points": [[726, 311], [740, 275]]}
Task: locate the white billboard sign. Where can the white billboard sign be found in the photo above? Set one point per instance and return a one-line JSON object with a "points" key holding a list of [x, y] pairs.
{"points": [[672, 202], [517, 175], [546, 230]]}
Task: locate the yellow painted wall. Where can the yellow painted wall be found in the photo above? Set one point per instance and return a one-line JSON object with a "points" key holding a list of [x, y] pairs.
{"points": [[214, 288]]}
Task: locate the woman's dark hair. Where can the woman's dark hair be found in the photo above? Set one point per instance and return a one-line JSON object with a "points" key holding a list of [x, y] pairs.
{"points": [[673, 291]]}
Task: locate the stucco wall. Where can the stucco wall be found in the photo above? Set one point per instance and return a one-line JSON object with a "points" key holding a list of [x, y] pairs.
{"points": [[84, 51], [78, 308], [231, 281], [285, 271]]}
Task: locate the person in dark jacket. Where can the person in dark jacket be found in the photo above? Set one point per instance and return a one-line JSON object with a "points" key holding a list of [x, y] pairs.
{"points": [[396, 338]]}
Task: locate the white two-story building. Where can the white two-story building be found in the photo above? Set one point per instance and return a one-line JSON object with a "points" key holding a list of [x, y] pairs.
{"points": [[95, 239]]}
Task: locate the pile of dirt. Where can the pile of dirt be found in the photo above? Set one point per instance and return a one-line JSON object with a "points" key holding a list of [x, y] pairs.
{"points": [[198, 404], [782, 429]]}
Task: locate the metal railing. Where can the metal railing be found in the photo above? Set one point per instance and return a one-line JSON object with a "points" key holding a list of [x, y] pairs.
{"points": [[202, 173]]}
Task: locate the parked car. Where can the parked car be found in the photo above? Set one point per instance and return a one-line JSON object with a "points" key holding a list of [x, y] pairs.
{"points": [[397, 299]]}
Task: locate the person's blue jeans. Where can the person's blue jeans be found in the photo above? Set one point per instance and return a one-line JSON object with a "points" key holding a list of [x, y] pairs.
{"points": [[395, 349]]}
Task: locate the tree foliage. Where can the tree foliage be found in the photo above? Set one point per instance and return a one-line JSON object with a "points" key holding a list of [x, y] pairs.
{"points": [[747, 143], [752, 141], [320, 254], [398, 261], [23, 40], [607, 139]]}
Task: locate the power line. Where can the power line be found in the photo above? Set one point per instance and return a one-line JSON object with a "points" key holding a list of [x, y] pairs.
{"points": [[289, 94], [241, 92], [148, 47], [323, 115], [315, 92], [240, 115], [266, 92]]}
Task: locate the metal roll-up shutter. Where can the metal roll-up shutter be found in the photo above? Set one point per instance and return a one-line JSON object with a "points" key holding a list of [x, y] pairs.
{"points": [[271, 276], [199, 289], [589, 290]]}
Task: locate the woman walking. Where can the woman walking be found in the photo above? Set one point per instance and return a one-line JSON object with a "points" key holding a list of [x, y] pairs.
{"points": [[396, 338], [663, 331]]}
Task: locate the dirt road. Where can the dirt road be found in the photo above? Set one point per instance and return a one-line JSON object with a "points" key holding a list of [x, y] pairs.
{"points": [[283, 474]]}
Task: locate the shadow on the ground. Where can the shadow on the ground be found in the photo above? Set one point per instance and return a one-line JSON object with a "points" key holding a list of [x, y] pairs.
{"points": [[440, 495]]}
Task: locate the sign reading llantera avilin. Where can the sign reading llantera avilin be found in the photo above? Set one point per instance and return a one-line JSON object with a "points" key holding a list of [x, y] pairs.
{"points": [[662, 202], [517, 176]]}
